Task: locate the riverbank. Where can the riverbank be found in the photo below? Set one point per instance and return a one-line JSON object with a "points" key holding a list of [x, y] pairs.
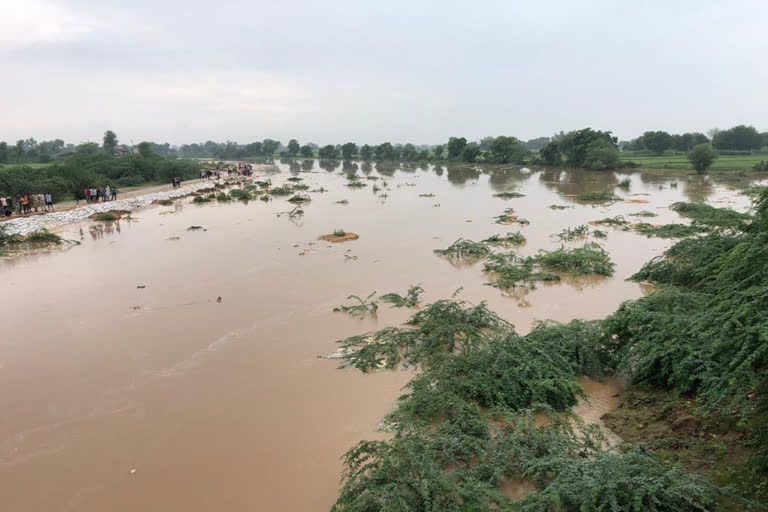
{"points": [[71, 212]]}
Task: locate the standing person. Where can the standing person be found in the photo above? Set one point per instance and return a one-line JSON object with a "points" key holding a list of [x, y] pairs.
{"points": [[49, 201], [88, 195], [24, 202], [114, 194], [41, 201], [107, 193]]}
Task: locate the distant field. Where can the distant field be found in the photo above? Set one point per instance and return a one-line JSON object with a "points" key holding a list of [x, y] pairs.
{"points": [[724, 163]]}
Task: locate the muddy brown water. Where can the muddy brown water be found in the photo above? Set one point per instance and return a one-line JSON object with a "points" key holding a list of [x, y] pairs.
{"points": [[162, 398]]}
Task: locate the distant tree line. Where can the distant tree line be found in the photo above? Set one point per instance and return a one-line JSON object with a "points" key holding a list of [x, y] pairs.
{"points": [[586, 148], [90, 165], [738, 138]]}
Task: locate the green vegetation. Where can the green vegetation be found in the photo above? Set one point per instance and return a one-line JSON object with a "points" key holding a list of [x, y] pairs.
{"points": [[644, 213], [339, 232], [299, 198], [577, 233], [105, 217], [465, 423], [203, 199], [702, 156], [510, 239], [356, 184], [283, 190], [591, 258], [586, 148], [625, 183], [668, 230], [597, 197], [463, 248], [508, 217], [617, 221], [707, 215], [223, 197], [410, 300], [363, 306], [37, 238], [599, 234], [509, 270], [508, 195], [240, 194]]}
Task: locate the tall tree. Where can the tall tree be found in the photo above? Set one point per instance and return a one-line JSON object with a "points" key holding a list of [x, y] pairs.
{"points": [[506, 150], [269, 147], [366, 152], [658, 142], [702, 156], [306, 151], [3, 152], [739, 137], [385, 151], [293, 147], [110, 142], [145, 149], [328, 152], [456, 147], [438, 151], [18, 151], [348, 150]]}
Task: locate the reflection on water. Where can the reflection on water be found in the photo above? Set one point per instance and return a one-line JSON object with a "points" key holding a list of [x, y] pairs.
{"points": [[117, 354]]}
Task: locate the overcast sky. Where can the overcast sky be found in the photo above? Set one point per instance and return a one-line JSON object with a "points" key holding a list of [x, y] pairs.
{"points": [[374, 71]]}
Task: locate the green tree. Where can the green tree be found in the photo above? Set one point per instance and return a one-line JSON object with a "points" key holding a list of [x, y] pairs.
{"points": [[702, 156], [739, 137], [471, 152], [456, 147], [145, 149], [328, 152], [348, 150], [269, 147], [409, 153], [385, 151], [438, 151], [306, 151], [110, 142], [293, 147], [658, 142], [366, 152], [3, 152], [253, 149], [506, 150], [18, 151]]}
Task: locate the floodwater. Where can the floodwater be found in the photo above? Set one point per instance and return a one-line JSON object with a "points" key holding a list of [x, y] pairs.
{"points": [[162, 398]]}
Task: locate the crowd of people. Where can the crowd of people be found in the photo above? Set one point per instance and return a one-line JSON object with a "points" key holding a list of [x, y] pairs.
{"points": [[241, 168], [23, 204], [103, 194]]}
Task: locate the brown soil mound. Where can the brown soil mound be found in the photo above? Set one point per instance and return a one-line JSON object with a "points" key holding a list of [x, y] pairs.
{"points": [[336, 239]]}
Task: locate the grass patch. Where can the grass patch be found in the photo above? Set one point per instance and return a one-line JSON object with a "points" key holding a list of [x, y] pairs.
{"points": [[508, 217], [201, 199], [356, 184], [295, 179], [240, 194], [644, 213], [223, 197], [599, 234]]}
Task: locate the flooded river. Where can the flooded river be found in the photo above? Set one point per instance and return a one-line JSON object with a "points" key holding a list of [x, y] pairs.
{"points": [[125, 385]]}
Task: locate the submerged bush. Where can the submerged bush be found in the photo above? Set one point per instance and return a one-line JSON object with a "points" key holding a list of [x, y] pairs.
{"points": [[668, 230], [506, 240], [588, 259], [464, 248], [411, 299], [509, 270]]}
